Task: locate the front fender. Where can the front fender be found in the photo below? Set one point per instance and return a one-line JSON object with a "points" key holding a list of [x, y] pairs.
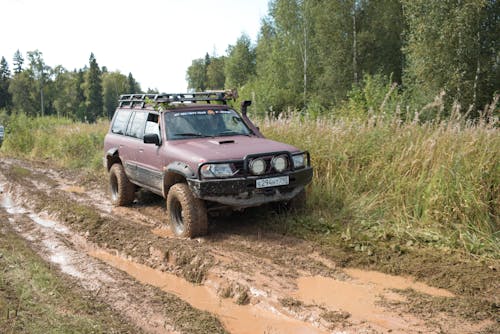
{"points": [[176, 172]]}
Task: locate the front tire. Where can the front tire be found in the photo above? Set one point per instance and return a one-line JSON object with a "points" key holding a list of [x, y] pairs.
{"points": [[187, 214], [122, 190]]}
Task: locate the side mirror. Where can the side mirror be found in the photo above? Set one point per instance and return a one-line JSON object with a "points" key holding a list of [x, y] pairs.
{"points": [[152, 138]]}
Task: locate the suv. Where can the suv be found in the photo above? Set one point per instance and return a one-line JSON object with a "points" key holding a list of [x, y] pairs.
{"points": [[2, 134], [201, 155]]}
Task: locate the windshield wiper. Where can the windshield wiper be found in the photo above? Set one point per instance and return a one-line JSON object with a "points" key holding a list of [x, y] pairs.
{"points": [[189, 134], [232, 133]]}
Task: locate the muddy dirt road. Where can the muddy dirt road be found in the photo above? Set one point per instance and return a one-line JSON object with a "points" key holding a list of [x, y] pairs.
{"points": [[238, 279]]}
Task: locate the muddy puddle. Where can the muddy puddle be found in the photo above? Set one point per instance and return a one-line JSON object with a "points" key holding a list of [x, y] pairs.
{"points": [[238, 319]]}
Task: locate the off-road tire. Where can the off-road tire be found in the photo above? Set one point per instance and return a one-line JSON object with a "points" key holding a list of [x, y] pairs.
{"points": [[122, 190], [187, 214]]}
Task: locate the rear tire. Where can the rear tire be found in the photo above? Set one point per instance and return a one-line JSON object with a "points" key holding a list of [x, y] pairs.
{"points": [[122, 190], [187, 214]]}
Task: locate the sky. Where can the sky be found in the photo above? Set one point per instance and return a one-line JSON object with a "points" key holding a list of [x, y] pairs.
{"points": [[155, 40]]}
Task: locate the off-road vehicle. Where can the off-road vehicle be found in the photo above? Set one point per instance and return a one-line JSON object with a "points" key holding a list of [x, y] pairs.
{"points": [[2, 134], [201, 155]]}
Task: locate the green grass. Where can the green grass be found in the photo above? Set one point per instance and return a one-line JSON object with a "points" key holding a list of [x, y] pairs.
{"points": [[33, 299], [378, 179], [432, 184]]}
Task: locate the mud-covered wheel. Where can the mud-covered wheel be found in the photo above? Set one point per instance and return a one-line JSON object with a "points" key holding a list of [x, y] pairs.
{"points": [[122, 190], [187, 214]]}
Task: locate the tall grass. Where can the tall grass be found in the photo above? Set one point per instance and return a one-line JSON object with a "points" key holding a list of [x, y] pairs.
{"points": [[381, 179], [58, 140], [376, 178]]}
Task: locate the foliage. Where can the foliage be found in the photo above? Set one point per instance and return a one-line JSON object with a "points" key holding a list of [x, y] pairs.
{"points": [[93, 92], [55, 139], [434, 184], [453, 46], [239, 66], [42, 90], [312, 55]]}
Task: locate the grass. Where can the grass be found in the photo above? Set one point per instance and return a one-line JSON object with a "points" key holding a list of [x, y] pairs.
{"points": [[432, 184], [377, 179], [33, 299]]}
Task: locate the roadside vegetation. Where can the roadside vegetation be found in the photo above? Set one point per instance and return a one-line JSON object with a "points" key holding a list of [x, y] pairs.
{"points": [[378, 179], [34, 299]]}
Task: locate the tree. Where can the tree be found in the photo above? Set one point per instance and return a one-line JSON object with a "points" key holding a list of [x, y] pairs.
{"points": [[215, 73], [196, 75], [66, 101], [94, 91], [114, 84], [24, 92], [81, 108], [18, 62], [5, 97], [133, 86], [453, 46], [380, 38], [40, 73], [239, 65]]}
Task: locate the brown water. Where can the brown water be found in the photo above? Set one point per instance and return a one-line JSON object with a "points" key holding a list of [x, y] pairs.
{"points": [[361, 297], [244, 319]]}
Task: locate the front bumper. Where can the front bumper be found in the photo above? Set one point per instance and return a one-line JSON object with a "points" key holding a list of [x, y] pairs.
{"points": [[242, 192]]}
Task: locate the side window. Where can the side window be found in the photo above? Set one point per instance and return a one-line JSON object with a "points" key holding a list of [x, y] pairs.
{"points": [[121, 121], [152, 125], [136, 126]]}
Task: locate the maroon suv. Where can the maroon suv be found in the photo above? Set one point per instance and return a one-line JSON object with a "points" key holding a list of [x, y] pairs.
{"points": [[200, 155]]}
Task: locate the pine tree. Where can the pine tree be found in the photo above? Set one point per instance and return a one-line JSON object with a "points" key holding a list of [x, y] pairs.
{"points": [[133, 86], [18, 62], [5, 97], [94, 91]]}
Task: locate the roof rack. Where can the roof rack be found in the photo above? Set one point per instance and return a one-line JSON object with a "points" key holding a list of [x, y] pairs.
{"points": [[132, 100]]}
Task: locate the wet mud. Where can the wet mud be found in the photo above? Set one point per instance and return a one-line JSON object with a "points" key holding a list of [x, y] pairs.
{"points": [[246, 282]]}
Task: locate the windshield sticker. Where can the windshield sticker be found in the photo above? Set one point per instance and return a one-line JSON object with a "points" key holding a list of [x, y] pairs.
{"points": [[203, 112]]}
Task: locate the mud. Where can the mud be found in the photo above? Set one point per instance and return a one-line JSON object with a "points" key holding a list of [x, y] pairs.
{"points": [[240, 278]]}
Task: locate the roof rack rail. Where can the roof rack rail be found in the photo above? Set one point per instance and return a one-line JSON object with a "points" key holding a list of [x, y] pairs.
{"points": [[221, 96]]}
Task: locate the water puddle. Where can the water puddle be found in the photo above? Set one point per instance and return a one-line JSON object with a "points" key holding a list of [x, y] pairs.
{"points": [[238, 319], [9, 205], [361, 296], [385, 281]]}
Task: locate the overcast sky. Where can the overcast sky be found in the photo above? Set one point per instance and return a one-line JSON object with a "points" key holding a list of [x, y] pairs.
{"points": [[156, 40]]}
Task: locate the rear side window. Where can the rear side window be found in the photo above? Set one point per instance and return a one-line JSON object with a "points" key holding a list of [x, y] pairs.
{"points": [[121, 121], [137, 125]]}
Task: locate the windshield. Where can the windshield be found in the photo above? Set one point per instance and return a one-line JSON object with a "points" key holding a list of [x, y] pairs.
{"points": [[204, 123]]}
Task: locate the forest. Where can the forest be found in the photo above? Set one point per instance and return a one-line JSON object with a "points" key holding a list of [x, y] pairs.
{"points": [[344, 57], [341, 58]]}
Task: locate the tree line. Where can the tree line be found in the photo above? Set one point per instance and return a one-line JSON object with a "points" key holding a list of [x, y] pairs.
{"points": [[36, 89], [316, 54]]}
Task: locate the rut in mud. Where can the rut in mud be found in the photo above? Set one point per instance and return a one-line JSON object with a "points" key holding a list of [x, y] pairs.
{"points": [[239, 279]]}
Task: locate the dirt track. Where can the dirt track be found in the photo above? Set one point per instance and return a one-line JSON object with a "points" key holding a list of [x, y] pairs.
{"points": [[251, 280]]}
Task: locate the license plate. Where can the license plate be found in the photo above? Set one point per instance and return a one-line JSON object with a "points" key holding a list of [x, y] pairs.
{"points": [[273, 182]]}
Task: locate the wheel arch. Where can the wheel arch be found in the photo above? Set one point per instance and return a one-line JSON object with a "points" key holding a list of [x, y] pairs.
{"points": [[112, 157], [176, 172]]}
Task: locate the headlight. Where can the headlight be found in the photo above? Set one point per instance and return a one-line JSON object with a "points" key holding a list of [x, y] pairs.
{"points": [[280, 163], [298, 160], [216, 170], [257, 166]]}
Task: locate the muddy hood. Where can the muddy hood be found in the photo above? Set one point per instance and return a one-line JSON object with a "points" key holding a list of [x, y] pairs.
{"points": [[226, 148]]}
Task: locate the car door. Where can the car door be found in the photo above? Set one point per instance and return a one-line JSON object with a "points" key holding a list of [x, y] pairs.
{"points": [[149, 159]]}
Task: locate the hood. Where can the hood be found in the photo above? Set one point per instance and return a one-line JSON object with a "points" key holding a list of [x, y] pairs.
{"points": [[224, 148]]}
